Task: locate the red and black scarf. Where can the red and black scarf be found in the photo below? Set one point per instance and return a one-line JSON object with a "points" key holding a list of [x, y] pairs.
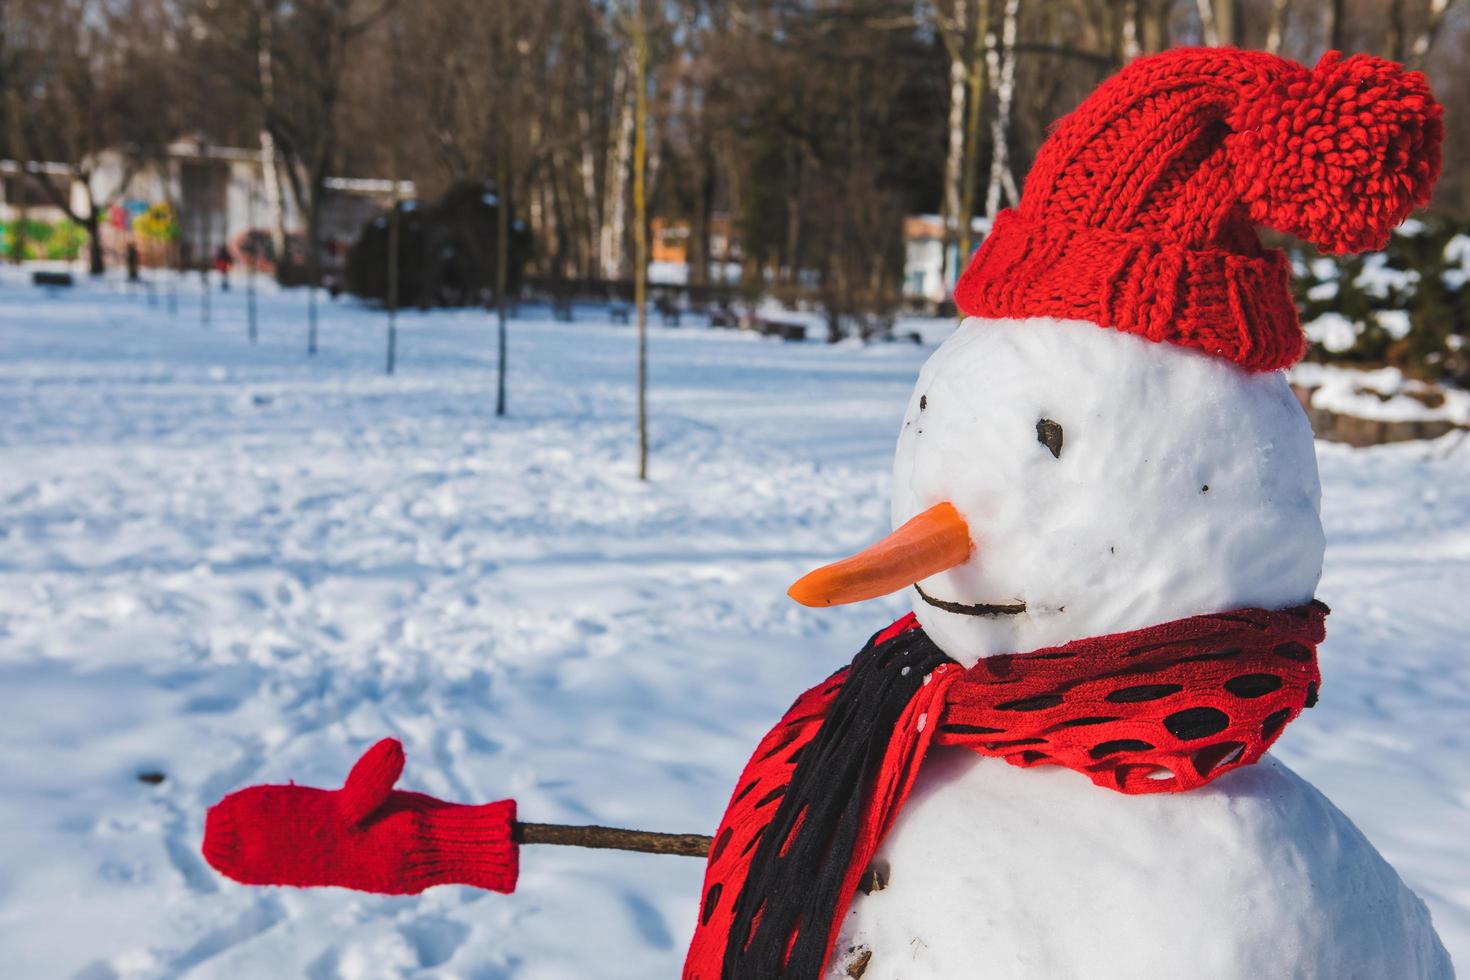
{"points": [[1157, 710]]}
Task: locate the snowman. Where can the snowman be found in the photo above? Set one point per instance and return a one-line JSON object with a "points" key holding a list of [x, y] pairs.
{"points": [[1106, 510], [1103, 465]]}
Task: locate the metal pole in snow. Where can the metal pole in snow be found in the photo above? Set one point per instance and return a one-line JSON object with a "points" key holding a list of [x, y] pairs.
{"points": [[393, 275], [204, 251], [249, 257]]}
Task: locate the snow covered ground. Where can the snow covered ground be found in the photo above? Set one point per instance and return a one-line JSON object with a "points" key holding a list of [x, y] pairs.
{"points": [[231, 564]]}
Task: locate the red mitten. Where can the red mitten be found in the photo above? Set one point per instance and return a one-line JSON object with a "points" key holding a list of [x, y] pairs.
{"points": [[366, 835]]}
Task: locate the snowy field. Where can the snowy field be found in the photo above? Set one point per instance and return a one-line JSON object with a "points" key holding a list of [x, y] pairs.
{"points": [[231, 564]]}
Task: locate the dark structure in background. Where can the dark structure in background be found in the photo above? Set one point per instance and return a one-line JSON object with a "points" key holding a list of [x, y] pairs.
{"points": [[446, 251]]}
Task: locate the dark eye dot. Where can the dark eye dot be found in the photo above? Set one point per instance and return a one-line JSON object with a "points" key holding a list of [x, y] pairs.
{"points": [[1049, 434], [923, 402]]}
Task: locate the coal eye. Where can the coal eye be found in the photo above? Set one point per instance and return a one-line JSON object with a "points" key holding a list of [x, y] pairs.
{"points": [[1049, 434]]}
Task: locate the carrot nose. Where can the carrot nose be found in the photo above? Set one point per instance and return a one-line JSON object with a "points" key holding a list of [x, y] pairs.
{"points": [[935, 540]]}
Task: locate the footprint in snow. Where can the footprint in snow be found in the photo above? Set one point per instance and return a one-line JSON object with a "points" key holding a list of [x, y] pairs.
{"points": [[434, 940]]}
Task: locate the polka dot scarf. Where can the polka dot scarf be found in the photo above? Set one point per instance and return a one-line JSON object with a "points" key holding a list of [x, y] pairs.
{"points": [[1159, 710]]}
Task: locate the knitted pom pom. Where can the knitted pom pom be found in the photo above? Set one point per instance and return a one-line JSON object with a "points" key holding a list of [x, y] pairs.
{"points": [[1338, 156]]}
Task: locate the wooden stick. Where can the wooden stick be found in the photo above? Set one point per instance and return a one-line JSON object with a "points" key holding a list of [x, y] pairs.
{"points": [[874, 879], [684, 845]]}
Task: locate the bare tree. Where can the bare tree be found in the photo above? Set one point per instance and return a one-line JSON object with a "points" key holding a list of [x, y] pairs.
{"points": [[958, 34], [1132, 46], [93, 83], [638, 29], [962, 32], [1276, 32], [300, 96], [789, 120], [620, 154], [1002, 67], [13, 72], [1209, 32], [1433, 21], [269, 157], [1334, 23]]}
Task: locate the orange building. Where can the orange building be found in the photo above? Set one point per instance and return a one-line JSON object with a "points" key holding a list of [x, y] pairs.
{"points": [[671, 240]]}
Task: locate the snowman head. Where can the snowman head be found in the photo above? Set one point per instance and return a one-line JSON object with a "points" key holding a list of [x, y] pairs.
{"points": [[1108, 442], [1104, 483], [1055, 481]]}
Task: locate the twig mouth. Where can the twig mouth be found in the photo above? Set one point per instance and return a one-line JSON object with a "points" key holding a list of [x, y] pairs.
{"points": [[972, 609]]}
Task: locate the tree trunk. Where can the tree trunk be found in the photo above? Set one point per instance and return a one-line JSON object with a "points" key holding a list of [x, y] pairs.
{"points": [[502, 263], [394, 221], [251, 260], [699, 232], [1433, 21], [395, 217], [954, 160], [541, 220], [974, 100], [274, 201], [275, 204], [1276, 32], [313, 261], [1156, 27], [1209, 32], [791, 247], [93, 223], [560, 224], [653, 156], [1003, 67], [206, 256], [1397, 44], [1225, 21], [1334, 25], [22, 184], [587, 172], [615, 213], [18, 226], [1130, 47], [640, 230]]}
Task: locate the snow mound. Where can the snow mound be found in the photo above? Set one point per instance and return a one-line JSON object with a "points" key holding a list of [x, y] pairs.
{"points": [[1000, 872], [1383, 394], [1332, 330]]}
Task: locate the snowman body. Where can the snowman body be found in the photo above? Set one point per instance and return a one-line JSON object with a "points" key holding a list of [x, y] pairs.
{"points": [[1110, 484], [1002, 873]]}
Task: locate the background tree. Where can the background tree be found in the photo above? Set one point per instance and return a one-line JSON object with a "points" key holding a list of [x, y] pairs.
{"points": [[810, 124], [82, 77]]}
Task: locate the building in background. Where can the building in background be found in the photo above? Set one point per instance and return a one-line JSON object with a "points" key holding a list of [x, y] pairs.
{"points": [[212, 195], [670, 250], [925, 281]]}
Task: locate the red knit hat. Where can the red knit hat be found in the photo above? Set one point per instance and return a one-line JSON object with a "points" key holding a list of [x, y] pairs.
{"points": [[1139, 211]]}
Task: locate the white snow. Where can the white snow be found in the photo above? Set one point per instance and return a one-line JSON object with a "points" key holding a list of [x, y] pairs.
{"points": [[1379, 279], [1323, 290], [1457, 256], [677, 273], [1396, 323], [1167, 455], [994, 871], [1333, 331], [1323, 268], [1411, 228], [236, 565], [1382, 393]]}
